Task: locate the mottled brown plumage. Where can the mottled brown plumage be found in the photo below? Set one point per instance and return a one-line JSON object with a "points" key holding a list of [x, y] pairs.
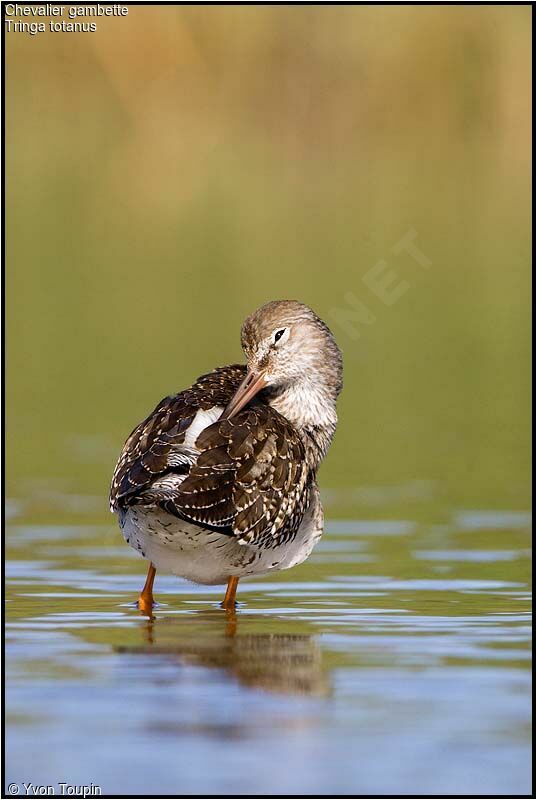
{"points": [[248, 480], [219, 481], [156, 445]]}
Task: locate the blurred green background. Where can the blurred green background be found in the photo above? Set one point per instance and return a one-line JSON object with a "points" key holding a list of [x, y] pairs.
{"points": [[166, 175], [183, 165]]}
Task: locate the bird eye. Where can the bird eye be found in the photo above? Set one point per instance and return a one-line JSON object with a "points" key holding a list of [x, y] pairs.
{"points": [[278, 334]]}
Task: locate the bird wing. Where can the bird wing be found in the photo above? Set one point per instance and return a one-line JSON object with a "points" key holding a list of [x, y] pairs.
{"points": [[156, 450], [251, 478], [246, 476]]}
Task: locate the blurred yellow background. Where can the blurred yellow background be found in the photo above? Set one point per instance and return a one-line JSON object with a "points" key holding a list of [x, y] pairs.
{"points": [[182, 165]]}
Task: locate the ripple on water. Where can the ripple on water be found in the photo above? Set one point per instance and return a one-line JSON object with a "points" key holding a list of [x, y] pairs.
{"points": [[365, 649]]}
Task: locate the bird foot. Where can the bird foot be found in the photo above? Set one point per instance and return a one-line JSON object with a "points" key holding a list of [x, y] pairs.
{"points": [[146, 605]]}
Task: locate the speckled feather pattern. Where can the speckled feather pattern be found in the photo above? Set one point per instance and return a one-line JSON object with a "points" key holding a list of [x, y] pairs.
{"points": [[247, 476], [208, 495]]}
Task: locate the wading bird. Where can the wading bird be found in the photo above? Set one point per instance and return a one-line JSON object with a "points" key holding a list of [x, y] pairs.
{"points": [[219, 481]]}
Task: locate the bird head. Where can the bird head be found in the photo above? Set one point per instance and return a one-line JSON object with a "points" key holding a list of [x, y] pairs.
{"points": [[287, 347]]}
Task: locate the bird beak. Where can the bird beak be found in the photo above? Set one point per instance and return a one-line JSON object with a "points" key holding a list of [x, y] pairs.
{"points": [[251, 385]]}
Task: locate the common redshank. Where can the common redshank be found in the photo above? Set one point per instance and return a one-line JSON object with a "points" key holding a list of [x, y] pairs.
{"points": [[219, 481]]}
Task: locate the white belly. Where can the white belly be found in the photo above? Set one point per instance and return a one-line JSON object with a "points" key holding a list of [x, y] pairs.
{"points": [[207, 557]]}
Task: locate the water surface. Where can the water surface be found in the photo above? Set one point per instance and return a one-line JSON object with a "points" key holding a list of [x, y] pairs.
{"points": [[396, 660]]}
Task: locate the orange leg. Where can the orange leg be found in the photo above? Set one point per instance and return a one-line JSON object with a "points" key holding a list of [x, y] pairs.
{"points": [[231, 591], [145, 601]]}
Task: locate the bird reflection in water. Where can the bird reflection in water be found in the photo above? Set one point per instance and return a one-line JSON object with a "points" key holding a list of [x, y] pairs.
{"points": [[278, 662]]}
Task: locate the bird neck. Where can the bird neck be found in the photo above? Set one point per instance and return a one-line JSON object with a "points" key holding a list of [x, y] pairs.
{"points": [[311, 408]]}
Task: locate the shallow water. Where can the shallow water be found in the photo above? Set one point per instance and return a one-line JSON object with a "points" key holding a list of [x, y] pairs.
{"points": [[396, 660]]}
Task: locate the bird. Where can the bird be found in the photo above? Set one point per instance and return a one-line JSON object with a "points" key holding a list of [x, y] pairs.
{"points": [[219, 482]]}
